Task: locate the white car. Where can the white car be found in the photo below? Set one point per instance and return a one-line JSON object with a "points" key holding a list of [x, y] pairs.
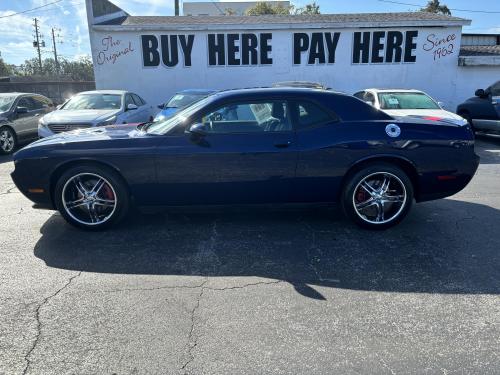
{"points": [[414, 103], [96, 108]]}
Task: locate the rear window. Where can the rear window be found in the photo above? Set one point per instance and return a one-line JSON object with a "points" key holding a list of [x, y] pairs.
{"points": [[310, 114]]}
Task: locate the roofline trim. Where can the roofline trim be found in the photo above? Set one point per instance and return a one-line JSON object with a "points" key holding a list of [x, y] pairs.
{"points": [[281, 26]]}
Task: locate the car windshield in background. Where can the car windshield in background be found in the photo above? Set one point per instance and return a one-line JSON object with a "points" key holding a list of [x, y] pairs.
{"points": [[94, 101], [406, 100], [6, 102], [164, 126], [182, 100]]}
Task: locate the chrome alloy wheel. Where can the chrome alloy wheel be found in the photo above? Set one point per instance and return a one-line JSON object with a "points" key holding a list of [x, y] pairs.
{"points": [[6, 140], [379, 198], [89, 199]]}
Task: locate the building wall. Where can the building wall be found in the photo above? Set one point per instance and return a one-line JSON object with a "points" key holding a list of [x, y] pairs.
{"points": [[217, 8], [118, 61]]}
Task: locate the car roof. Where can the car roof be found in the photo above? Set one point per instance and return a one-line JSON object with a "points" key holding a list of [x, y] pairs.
{"points": [[391, 90], [196, 91], [282, 91], [115, 92], [19, 93]]}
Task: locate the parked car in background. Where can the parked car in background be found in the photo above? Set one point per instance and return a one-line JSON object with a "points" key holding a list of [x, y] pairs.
{"points": [[303, 84], [96, 108], [483, 110], [415, 103], [19, 115], [253, 146], [181, 100]]}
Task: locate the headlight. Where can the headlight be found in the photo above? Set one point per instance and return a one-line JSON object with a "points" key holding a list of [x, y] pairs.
{"points": [[109, 121], [159, 118]]}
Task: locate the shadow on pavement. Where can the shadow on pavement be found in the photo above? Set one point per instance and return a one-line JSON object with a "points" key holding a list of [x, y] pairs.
{"points": [[488, 148], [445, 246]]}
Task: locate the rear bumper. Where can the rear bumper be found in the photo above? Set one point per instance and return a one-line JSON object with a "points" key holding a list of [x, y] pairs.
{"points": [[442, 184]]}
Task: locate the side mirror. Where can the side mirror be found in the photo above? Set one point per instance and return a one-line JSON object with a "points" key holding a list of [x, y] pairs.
{"points": [[480, 93], [160, 106], [131, 107], [20, 110], [198, 129]]}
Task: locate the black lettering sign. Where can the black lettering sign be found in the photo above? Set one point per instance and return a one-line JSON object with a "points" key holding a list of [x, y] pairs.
{"points": [[216, 50], [410, 46], [187, 48], [377, 47], [265, 49], [300, 44], [169, 51], [394, 49], [233, 49], [331, 43], [249, 54], [150, 54], [361, 47], [317, 50]]}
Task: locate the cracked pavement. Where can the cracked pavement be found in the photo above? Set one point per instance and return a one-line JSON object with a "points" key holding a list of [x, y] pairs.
{"points": [[254, 292]]}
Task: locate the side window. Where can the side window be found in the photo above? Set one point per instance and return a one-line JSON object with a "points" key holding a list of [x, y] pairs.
{"points": [[128, 100], [359, 95], [495, 89], [137, 99], [40, 102], [248, 117], [27, 102], [309, 114]]}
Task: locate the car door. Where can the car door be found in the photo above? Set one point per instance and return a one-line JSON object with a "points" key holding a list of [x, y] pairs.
{"points": [[319, 172], [129, 115], [142, 109], [26, 116], [246, 154]]}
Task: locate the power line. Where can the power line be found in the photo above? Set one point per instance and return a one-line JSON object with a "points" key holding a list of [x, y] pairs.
{"points": [[454, 9], [32, 9]]}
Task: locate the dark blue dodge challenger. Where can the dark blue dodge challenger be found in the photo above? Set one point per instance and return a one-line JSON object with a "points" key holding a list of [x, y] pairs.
{"points": [[252, 146]]}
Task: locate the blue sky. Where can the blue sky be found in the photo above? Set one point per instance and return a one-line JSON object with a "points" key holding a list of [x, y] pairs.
{"points": [[69, 18]]}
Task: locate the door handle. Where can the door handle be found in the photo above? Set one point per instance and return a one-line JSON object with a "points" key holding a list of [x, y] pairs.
{"points": [[282, 145]]}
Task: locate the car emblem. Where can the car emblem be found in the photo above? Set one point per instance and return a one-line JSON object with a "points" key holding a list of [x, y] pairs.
{"points": [[393, 130]]}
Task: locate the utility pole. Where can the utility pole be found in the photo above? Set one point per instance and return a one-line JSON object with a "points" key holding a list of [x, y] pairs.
{"points": [[36, 43], [176, 7], [55, 51]]}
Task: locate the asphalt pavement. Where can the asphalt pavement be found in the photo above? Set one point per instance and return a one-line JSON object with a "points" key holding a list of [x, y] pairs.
{"points": [[255, 292]]}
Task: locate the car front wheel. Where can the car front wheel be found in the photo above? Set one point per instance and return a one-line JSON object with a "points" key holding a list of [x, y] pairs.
{"points": [[8, 140], [378, 197], [91, 197]]}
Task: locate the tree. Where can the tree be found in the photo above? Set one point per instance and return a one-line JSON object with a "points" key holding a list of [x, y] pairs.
{"points": [[312, 8], [262, 8], [434, 6], [78, 70], [5, 69]]}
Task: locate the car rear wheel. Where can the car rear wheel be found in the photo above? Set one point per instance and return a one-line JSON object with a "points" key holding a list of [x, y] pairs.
{"points": [[8, 140], [378, 197], [91, 197]]}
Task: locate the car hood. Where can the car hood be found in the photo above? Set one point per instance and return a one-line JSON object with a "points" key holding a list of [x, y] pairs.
{"points": [[429, 114], [91, 134], [81, 115]]}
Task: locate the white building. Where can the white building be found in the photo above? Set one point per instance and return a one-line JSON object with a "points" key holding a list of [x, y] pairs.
{"points": [[220, 8], [156, 56]]}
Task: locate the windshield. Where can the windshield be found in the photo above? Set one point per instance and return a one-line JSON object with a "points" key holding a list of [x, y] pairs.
{"points": [[182, 100], [406, 100], [164, 126], [6, 102], [94, 101]]}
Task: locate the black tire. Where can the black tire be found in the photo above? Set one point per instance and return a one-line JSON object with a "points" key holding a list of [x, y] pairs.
{"points": [[398, 181], [113, 185], [8, 140]]}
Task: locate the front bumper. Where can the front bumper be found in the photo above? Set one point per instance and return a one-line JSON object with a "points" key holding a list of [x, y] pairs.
{"points": [[36, 190], [44, 131]]}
